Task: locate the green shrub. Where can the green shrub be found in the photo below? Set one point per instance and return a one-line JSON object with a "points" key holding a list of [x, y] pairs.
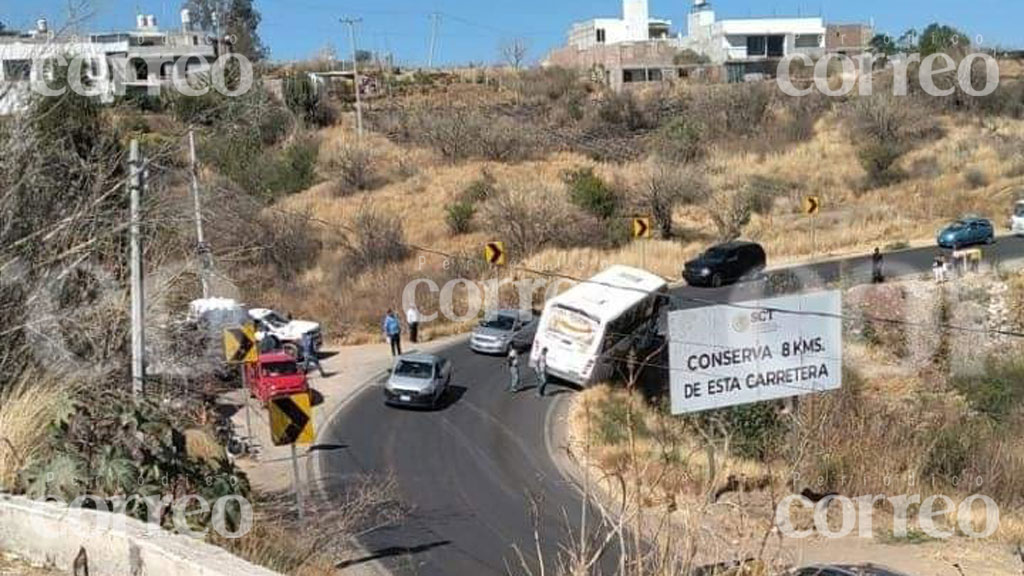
{"points": [[612, 420], [481, 189], [459, 217], [975, 178], [878, 158], [998, 392], [681, 140], [590, 193], [294, 169], [756, 428], [949, 453], [307, 101]]}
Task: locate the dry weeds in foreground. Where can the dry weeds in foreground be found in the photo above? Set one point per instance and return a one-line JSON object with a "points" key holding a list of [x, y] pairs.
{"points": [[25, 407]]}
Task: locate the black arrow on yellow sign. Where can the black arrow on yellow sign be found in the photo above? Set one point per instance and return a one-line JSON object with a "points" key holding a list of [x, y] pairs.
{"points": [[291, 421], [494, 253], [240, 345], [812, 204], [641, 227]]}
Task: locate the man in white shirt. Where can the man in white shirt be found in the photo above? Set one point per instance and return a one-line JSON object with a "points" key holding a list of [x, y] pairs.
{"points": [[412, 318]]}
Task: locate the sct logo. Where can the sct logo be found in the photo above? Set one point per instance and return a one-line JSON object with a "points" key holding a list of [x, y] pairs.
{"points": [[759, 319], [741, 323]]}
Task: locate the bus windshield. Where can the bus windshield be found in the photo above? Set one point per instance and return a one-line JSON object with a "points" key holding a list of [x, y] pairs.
{"points": [[572, 325]]}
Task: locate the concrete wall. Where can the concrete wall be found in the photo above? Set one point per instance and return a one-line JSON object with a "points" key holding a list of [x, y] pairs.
{"points": [[116, 546]]}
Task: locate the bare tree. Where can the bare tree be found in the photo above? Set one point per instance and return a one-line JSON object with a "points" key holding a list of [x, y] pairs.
{"points": [[665, 186], [514, 51]]}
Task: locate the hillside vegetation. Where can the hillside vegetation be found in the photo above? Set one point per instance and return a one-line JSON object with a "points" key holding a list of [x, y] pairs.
{"points": [[554, 168]]}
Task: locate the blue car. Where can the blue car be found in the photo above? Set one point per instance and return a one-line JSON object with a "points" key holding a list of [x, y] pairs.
{"points": [[967, 232]]}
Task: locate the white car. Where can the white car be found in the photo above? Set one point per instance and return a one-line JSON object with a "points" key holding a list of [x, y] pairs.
{"points": [[275, 331], [1017, 220]]}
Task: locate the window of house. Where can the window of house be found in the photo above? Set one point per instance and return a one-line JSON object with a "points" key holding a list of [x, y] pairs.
{"points": [[757, 46], [17, 70], [776, 46], [808, 41], [141, 69], [601, 36], [654, 75]]}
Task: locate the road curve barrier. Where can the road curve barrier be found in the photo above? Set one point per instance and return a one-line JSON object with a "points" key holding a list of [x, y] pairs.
{"points": [[114, 545]]}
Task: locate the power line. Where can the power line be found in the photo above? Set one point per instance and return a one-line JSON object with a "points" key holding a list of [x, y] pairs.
{"points": [[704, 302]]}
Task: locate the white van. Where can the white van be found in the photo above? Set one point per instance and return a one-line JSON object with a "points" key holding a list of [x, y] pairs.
{"points": [[587, 329], [1017, 219]]}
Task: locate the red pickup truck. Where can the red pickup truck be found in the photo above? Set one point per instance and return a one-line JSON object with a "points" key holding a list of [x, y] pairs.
{"points": [[276, 374]]}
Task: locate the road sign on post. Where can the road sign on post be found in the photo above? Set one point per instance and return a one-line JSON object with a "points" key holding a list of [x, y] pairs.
{"points": [[494, 253], [812, 205], [763, 350], [291, 423], [291, 419], [240, 345], [641, 227]]}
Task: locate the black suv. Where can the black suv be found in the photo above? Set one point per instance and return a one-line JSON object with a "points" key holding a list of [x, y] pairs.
{"points": [[725, 264]]}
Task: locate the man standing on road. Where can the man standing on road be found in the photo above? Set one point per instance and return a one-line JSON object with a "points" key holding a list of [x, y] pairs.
{"points": [[412, 317], [393, 332], [542, 372], [513, 370], [310, 355], [876, 267]]}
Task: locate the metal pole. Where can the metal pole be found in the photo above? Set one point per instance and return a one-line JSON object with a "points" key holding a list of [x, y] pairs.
{"points": [[298, 487], [248, 416], [355, 72], [138, 335], [433, 38], [201, 247]]}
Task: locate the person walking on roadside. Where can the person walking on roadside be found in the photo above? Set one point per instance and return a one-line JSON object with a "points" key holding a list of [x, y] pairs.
{"points": [[393, 332], [542, 372], [412, 318], [513, 371], [876, 267], [937, 269], [310, 355]]}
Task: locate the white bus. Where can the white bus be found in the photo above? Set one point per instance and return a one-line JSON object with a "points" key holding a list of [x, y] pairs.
{"points": [[593, 325]]}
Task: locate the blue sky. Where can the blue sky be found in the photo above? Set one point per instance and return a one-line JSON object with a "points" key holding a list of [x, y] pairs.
{"points": [[471, 30]]}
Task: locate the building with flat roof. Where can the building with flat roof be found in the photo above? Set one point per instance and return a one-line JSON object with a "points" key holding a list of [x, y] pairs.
{"points": [[638, 48], [751, 46], [146, 59]]}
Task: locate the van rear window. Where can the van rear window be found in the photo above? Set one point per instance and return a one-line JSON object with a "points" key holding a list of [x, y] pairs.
{"points": [[575, 326]]}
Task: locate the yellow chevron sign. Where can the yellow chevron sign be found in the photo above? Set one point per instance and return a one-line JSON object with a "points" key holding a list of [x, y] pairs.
{"points": [[291, 419], [240, 345], [494, 253]]}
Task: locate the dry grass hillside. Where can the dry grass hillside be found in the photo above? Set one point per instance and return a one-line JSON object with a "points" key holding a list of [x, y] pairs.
{"points": [[966, 164], [922, 412]]}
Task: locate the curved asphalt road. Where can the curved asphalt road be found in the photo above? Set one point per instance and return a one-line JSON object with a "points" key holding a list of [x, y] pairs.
{"points": [[470, 471]]}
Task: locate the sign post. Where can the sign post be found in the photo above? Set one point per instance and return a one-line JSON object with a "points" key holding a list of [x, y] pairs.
{"points": [[494, 253], [641, 229], [754, 352], [240, 348], [812, 205], [291, 423]]}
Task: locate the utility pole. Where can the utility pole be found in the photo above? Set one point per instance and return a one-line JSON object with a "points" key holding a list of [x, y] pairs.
{"points": [[355, 72], [138, 334], [435, 18], [202, 250]]}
